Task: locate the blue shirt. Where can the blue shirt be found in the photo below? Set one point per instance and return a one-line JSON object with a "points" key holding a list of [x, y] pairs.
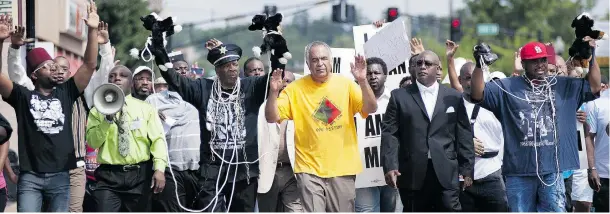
{"points": [[527, 123]]}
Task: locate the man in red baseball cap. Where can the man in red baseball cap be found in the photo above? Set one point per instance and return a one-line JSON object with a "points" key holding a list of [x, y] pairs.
{"points": [[44, 115], [529, 108]]}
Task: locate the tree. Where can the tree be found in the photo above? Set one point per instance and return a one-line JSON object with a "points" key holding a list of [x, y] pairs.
{"points": [[125, 28], [519, 21]]}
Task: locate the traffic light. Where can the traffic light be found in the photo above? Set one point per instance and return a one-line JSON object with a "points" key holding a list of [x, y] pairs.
{"points": [[456, 29], [392, 14], [270, 10], [344, 13]]}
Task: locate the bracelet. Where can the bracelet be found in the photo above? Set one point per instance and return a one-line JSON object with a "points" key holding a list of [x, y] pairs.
{"points": [[591, 169]]}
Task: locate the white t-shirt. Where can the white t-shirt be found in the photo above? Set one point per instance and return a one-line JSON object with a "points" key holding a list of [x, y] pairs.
{"points": [[369, 135], [597, 118], [489, 131]]}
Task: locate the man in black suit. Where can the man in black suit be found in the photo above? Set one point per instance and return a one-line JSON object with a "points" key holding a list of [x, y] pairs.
{"points": [[427, 136]]}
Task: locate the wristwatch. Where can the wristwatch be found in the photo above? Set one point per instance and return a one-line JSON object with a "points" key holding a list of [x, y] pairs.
{"points": [[591, 169]]}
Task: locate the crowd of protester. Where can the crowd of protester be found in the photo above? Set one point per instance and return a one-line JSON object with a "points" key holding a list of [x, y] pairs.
{"points": [[257, 140]]}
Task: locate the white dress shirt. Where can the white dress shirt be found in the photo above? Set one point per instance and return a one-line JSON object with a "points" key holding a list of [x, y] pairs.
{"points": [[598, 115], [429, 96], [489, 131]]}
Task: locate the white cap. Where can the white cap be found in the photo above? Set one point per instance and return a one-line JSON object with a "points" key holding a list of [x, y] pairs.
{"points": [[142, 68], [160, 80], [497, 74]]}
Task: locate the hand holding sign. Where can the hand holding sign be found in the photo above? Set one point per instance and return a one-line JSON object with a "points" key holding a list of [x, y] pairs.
{"points": [[390, 44], [359, 68]]}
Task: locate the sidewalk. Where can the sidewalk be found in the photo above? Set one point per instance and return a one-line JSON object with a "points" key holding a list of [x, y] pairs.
{"points": [[11, 207]]}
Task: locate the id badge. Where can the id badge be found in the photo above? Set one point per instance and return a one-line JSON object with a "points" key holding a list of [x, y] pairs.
{"points": [[136, 124]]}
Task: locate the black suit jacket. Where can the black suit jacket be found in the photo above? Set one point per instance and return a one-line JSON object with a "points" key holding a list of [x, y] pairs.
{"points": [[408, 135]]}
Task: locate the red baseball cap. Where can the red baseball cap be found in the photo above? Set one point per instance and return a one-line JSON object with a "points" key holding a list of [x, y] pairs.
{"points": [[533, 50]]}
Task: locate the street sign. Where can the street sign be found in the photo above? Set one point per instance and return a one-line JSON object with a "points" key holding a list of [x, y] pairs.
{"points": [[488, 29]]}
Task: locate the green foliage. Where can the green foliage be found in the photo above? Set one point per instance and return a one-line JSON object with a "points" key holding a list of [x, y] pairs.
{"points": [[519, 20], [125, 27]]}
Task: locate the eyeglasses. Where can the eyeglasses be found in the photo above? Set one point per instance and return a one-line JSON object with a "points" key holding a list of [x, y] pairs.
{"points": [[48, 66], [428, 64]]}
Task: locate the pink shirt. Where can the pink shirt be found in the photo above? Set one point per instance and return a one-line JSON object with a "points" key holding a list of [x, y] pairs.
{"points": [[2, 180]]}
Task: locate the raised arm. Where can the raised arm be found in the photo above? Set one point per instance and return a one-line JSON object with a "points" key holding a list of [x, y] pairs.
{"points": [[6, 86], [369, 102], [272, 112], [106, 64], [451, 69], [16, 71], [478, 82], [84, 73], [594, 76]]}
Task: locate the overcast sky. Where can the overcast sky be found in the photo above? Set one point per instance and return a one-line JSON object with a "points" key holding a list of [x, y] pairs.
{"points": [[201, 10]]}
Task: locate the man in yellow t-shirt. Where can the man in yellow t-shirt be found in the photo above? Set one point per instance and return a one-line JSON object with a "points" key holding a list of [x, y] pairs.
{"points": [[322, 106]]}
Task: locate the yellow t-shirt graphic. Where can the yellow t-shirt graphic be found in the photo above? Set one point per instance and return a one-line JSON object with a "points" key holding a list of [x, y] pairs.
{"points": [[325, 134]]}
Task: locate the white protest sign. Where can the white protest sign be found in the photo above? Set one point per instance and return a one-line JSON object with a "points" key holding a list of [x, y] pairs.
{"points": [[390, 44], [582, 146], [369, 145], [362, 34], [342, 58]]}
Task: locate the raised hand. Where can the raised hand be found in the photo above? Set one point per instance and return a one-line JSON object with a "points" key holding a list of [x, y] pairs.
{"points": [[417, 46], [518, 66], [93, 20], [212, 43], [590, 40], [6, 27], [451, 47], [102, 33], [379, 23], [18, 36], [359, 68], [276, 83]]}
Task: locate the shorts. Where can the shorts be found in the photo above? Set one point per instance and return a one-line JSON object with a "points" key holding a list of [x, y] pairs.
{"points": [[581, 191]]}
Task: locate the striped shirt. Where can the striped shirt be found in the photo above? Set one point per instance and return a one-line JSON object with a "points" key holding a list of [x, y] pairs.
{"points": [[79, 125], [183, 133]]}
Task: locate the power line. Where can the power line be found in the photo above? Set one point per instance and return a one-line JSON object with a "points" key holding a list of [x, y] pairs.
{"points": [[244, 27], [250, 14]]}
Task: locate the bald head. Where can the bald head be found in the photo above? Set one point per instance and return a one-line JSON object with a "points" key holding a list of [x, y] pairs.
{"points": [[121, 76], [432, 55], [427, 67], [466, 76], [467, 68], [288, 78]]}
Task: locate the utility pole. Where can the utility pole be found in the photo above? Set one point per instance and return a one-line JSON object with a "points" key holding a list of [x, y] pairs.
{"points": [[30, 21]]}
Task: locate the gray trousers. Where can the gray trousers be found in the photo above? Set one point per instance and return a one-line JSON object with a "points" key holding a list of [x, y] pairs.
{"points": [[337, 194], [284, 195]]}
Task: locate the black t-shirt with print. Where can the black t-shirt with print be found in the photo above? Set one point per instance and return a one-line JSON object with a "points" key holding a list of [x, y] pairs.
{"points": [[7, 126], [44, 127]]}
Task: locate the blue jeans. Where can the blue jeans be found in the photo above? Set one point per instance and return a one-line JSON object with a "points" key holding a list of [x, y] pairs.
{"points": [[378, 199], [53, 188], [529, 194]]}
